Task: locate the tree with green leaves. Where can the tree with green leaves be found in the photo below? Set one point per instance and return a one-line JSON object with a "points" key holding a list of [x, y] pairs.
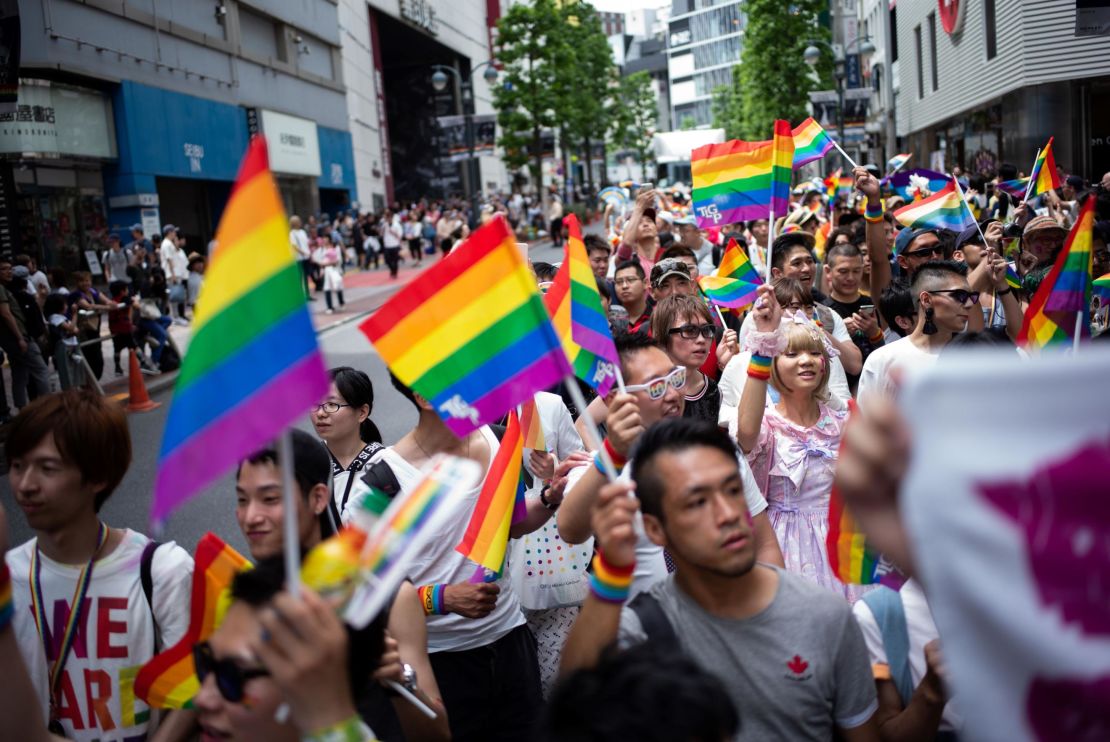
{"points": [[635, 117], [772, 80]]}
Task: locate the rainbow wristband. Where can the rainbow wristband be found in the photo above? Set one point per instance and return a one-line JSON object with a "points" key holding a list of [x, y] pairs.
{"points": [[874, 213], [431, 599], [759, 367], [608, 583], [618, 460], [6, 609]]}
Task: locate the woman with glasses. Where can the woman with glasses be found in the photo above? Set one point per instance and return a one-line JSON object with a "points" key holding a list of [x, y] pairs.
{"points": [[342, 420], [792, 444], [684, 327]]}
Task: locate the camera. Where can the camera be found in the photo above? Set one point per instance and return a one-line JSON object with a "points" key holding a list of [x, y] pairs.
{"points": [[1012, 230]]}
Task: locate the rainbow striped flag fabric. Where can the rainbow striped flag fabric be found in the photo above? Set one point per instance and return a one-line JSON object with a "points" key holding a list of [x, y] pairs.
{"points": [[253, 365], [1044, 175], [728, 292], [575, 308], [945, 209], [832, 183], [530, 424], [1101, 286], [735, 264], [1013, 280], [470, 334], [903, 182], [500, 503], [1065, 293], [782, 149], [1015, 188], [811, 142], [896, 162], [169, 679], [732, 182]]}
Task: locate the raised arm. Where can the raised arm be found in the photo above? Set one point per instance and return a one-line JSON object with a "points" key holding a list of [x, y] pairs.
{"points": [[767, 314], [877, 249]]}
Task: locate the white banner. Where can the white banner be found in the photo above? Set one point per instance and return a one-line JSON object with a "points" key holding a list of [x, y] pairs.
{"points": [[293, 144]]}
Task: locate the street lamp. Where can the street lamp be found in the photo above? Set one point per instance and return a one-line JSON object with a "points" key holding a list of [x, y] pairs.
{"points": [[812, 55], [465, 92]]}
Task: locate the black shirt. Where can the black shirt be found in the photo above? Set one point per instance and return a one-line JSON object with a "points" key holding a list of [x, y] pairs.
{"points": [[845, 310], [705, 404]]}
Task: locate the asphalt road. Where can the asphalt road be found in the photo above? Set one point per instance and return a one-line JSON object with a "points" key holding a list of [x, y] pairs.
{"points": [[214, 509]]}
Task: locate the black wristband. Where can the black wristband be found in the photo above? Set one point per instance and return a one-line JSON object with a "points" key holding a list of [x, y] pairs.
{"points": [[1005, 291], [545, 502]]}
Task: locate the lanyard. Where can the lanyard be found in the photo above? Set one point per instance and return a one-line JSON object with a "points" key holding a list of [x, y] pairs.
{"points": [[356, 466], [75, 610]]}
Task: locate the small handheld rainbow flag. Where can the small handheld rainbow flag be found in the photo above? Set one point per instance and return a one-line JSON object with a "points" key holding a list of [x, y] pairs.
{"points": [[471, 334], [895, 163], [832, 183], [1044, 177], [1015, 188], [811, 142], [1101, 286], [253, 365], [500, 503], [781, 170], [575, 308], [530, 424], [735, 264], [732, 182], [728, 292], [1065, 294], [169, 679], [945, 209], [1013, 280]]}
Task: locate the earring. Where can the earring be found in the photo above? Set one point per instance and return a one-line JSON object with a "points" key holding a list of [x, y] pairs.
{"points": [[930, 327]]}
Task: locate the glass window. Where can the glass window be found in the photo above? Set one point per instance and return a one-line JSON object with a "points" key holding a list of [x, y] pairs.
{"points": [[920, 62], [724, 51], [933, 49], [989, 28]]}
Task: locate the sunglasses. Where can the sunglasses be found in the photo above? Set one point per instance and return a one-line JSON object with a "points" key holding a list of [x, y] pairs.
{"points": [[926, 251], [657, 387], [230, 678], [962, 296], [691, 332]]}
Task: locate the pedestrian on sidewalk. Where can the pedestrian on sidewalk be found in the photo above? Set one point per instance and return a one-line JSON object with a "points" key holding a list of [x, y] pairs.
{"points": [[392, 233], [175, 266], [30, 377], [88, 304], [62, 343], [298, 239], [328, 260], [414, 230]]}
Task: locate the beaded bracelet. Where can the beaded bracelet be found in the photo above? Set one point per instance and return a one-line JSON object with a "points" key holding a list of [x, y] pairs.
{"points": [[874, 213], [6, 609], [348, 730], [608, 583], [431, 599], [759, 367]]}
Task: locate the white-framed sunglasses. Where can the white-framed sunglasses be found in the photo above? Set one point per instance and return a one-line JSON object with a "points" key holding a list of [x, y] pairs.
{"points": [[657, 387]]}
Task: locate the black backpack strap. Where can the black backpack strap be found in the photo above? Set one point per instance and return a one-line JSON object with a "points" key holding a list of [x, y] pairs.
{"points": [[654, 621], [380, 476], [146, 577]]}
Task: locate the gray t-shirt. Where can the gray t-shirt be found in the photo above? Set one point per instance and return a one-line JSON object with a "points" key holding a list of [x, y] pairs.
{"points": [[793, 671]]}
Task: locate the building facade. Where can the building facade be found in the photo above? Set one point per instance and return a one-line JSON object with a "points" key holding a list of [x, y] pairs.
{"points": [[704, 39], [983, 83]]}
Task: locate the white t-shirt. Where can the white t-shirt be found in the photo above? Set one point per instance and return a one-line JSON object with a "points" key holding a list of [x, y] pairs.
{"points": [[441, 563], [838, 380], [391, 232], [40, 282], [174, 263], [298, 238], [650, 566], [57, 320], [117, 636], [876, 379], [921, 630]]}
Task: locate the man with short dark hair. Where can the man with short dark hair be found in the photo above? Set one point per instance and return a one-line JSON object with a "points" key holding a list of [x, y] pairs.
{"points": [[670, 276], [790, 654], [690, 235], [631, 290], [844, 267], [915, 247], [598, 252]]}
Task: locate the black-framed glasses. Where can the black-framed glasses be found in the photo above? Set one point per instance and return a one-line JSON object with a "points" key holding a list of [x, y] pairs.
{"points": [[962, 296], [657, 387], [923, 252], [691, 332], [230, 678], [330, 407]]}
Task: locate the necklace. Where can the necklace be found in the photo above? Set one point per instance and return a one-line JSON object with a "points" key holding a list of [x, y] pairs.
{"points": [[428, 455]]}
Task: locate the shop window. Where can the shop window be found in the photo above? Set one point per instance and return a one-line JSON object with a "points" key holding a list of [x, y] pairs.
{"points": [[933, 49], [989, 26], [893, 35], [920, 62], [260, 35]]}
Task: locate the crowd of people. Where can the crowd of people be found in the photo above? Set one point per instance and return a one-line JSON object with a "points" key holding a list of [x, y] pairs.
{"points": [[691, 598]]}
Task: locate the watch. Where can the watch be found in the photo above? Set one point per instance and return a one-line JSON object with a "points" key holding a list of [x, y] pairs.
{"points": [[547, 503]]}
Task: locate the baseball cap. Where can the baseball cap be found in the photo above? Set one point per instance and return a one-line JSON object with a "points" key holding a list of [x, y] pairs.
{"points": [[650, 212], [688, 219], [669, 267], [168, 228], [907, 235], [667, 216], [136, 227], [1075, 182], [21, 271], [970, 235]]}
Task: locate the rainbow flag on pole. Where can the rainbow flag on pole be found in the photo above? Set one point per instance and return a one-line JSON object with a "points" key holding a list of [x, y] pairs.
{"points": [[811, 142], [735, 264], [500, 503], [253, 366], [945, 209], [781, 170], [895, 163], [728, 292], [470, 334], [1065, 293], [1044, 176], [1015, 188], [1101, 286], [530, 424], [832, 183], [575, 308], [169, 679], [732, 182]]}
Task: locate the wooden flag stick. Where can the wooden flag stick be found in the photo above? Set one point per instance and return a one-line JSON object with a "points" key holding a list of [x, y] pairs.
{"points": [[292, 548]]}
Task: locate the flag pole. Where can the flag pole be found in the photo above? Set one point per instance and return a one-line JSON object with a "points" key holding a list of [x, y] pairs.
{"points": [[770, 240], [592, 433], [620, 379], [969, 211], [292, 539], [1029, 185], [719, 315], [892, 172], [1078, 327], [846, 157]]}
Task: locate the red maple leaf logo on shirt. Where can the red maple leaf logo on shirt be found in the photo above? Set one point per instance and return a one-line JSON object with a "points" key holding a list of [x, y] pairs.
{"points": [[797, 665]]}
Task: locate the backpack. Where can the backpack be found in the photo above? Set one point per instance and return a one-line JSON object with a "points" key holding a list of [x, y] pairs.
{"points": [[654, 621], [890, 614], [32, 313]]}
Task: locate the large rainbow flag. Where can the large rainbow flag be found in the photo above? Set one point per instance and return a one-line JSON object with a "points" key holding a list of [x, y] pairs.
{"points": [[169, 679], [782, 155], [945, 209], [903, 181], [1065, 293], [1044, 176], [500, 503], [471, 334], [253, 366], [732, 182], [811, 142], [575, 308]]}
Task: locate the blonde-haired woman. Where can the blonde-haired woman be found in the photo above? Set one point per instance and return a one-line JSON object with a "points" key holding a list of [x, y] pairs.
{"points": [[792, 444]]}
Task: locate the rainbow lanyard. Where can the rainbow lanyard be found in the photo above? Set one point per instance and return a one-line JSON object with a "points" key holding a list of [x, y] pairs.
{"points": [[75, 608]]}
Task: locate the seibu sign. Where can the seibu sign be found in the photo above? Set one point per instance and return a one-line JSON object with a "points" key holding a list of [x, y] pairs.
{"points": [[951, 15]]}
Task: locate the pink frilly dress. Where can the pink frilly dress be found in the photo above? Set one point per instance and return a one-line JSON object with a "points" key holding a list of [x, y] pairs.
{"points": [[794, 467]]}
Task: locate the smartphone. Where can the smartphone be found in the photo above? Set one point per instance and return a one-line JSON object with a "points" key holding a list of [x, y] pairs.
{"points": [[867, 309]]}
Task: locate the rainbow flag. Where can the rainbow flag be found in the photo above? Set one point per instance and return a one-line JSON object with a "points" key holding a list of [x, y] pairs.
{"points": [[1013, 280], [500, 503], [832, 182], [1044, 175], [821, 240], [728, 292], [575, 308], [169, 680], [735, 264], [1015, 188], [470, 334], [852, 559], [1065, 293], [530, 424], [732, 182], [781, 171], [253, 365], [895, 163], [1101, 286], [901, 184], [945, 209], [811, 142]]}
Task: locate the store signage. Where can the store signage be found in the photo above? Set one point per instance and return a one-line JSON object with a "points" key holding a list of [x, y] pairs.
{"points": [[420, 13], [1092, 17], [195, 153], [293, 144], [53, 121], [951, 15]]}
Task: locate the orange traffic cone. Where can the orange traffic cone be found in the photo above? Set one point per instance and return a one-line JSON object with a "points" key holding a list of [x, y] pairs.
{"points": [[140, 401]]}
